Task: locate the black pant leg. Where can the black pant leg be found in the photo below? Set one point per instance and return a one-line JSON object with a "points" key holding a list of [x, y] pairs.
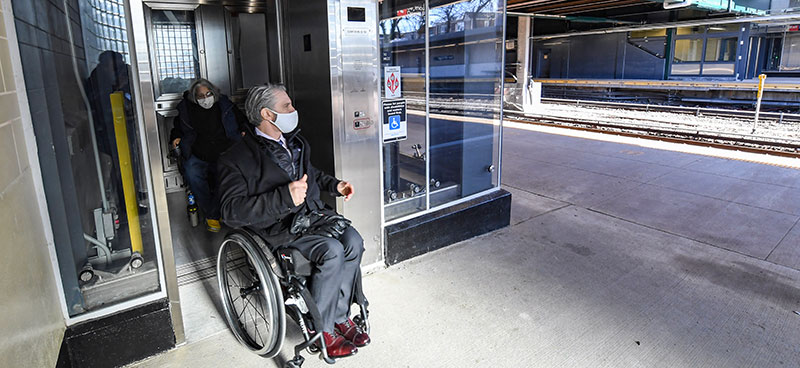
{"points": [[353, 251], [328, 257]]}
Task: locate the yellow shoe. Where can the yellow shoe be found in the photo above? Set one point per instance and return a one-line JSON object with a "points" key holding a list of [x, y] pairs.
{"points": [[213, 225]]}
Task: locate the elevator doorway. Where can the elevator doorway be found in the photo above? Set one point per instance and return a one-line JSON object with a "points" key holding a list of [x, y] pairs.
{"points": [[227, 45]]}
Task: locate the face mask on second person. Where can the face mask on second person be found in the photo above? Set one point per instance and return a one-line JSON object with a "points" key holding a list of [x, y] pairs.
{"points": [[206, 102]]}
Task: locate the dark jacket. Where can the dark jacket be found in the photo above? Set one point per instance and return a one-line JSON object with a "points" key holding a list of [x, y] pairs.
{"points": [[254, 189], [232, 121]]}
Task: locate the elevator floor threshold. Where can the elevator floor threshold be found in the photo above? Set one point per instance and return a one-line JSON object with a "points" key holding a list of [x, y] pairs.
{"points": [[195, 248], [197, 270]]}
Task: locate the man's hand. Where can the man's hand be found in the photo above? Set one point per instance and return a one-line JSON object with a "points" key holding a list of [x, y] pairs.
{"points": [[345, 189], [175, 142], [298, 190]]}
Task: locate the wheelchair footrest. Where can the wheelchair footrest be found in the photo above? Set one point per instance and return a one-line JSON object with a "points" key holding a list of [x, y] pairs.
{"points": [[322, 350]]}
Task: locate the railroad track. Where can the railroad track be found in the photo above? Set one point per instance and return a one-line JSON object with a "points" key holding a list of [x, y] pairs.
{"points": [[779, 117], [754, 144], [742, 142]]}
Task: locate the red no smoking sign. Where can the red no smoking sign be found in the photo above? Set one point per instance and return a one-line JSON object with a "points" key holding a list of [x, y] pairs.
{"points": [[392, 82]]}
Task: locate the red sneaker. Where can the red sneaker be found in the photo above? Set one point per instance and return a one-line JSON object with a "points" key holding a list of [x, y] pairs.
{"points": [[353, 333], [337, 346]]}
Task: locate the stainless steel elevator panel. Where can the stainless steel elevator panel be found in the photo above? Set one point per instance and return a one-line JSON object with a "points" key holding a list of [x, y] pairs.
{"points": [[332, 73], [216, 48], [358, 140]]}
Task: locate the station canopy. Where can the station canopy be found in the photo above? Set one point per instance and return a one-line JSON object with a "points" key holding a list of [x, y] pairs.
{"points": [[589, 14]]}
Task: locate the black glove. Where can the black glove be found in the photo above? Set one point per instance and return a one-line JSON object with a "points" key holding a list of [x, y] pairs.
{"points": [[300, 223], [331, 226]]}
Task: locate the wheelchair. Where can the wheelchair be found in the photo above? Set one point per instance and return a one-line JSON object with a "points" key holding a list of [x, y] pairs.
{"points": [[259, 287]]}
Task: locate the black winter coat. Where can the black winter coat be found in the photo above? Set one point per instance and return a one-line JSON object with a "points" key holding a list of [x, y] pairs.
{"points": [[233, 121], [254, 189]]}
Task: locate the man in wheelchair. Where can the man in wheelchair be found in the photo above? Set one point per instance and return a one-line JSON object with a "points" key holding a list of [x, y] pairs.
{"points": [[267, 184]]}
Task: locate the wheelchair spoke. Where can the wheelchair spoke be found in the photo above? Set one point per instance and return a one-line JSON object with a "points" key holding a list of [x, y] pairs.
{"points": [[261, 303], [244, 275], [250, 303], [239, 270], [251, 308], [244, 307], [257, 336]]}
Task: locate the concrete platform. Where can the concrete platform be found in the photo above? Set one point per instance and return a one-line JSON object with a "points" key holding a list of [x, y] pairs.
{"points": [[617, 256]]}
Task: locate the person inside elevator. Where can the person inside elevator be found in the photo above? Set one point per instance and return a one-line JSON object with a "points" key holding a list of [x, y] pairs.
{"points": [[207, 124], [267, 183]]}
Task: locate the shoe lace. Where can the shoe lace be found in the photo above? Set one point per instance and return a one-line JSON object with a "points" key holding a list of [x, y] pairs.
{"points": [[349, 323]]}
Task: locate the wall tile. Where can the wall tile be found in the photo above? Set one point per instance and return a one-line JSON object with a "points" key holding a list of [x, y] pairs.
{"points": [[2, 26], [9, 107], [24, 9], [30, 282], [5, 64], [22, 148], [25, 32], [9, 169], [32, 58], [42, 21], [2, 83], [43, 39]]}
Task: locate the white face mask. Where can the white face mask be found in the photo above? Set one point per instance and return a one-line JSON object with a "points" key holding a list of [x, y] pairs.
{"points": [[206, 102], [285, 122]]}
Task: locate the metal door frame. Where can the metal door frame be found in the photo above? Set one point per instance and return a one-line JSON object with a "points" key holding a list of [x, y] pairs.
{"points": [[146, 106], [170, 101]]}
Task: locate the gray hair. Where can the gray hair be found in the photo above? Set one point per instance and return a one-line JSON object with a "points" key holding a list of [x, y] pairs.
{"points": [[203, 82], [260, 97]]}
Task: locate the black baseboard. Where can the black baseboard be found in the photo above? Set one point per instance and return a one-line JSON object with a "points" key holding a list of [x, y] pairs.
{"points": [[118, 339], [450, 225]]}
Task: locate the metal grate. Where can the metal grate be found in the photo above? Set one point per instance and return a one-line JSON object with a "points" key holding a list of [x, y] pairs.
{"points": [[176, 53]]}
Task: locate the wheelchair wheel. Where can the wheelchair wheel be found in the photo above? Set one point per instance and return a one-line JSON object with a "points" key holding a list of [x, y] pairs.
{"points": [[251, 296]]}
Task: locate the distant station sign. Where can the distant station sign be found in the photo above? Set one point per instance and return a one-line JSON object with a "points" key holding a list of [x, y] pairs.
{"points": [[395, 123]]}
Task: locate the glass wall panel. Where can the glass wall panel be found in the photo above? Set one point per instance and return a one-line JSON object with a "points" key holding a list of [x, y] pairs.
{"points": [[688, 50], [466, 71], [774, 47], [450, 64], [790, 60], [107, 254], [719, 69], [405, 148], [686, 69], [721, 49]]}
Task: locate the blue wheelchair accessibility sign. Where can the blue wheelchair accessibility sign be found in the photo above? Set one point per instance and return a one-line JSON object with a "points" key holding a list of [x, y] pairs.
{"points": [[394, 122]]}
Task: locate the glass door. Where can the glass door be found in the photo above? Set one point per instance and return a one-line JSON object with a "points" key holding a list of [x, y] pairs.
{"points": [[442, 67], [404, 91]]}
